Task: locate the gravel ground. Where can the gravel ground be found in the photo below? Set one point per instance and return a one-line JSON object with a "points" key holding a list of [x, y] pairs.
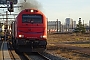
{"points": [[67, 39], [69, 54]]}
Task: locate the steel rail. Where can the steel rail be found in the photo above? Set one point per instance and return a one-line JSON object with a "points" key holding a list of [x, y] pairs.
{"points": [[11, 52], [27, 56], [44, 56], [2, 51]]}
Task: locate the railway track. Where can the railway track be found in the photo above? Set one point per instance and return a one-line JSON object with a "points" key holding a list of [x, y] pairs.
{"points": [[36, 56], [43, 56], [14, 55], [30, 56], [7, 54], [10, 54]]}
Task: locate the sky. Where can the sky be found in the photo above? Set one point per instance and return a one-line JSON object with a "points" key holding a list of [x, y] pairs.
{"points": [[61, 9]]}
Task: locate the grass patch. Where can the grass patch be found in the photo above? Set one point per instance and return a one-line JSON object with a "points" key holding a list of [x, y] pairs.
{"points": [[82, 45], [77, 39]]}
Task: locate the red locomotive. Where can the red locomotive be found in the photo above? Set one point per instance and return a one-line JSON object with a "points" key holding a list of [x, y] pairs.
{"points": [[29, 31]]}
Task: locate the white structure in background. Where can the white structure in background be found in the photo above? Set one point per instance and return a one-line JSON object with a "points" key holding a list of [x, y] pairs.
{"points": [[69, 24], [52, 26], [74, 24]]}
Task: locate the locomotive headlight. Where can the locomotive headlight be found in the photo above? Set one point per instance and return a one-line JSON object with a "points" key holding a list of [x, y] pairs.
{"points": [[32, 10], [43, 36], [21, 35]]}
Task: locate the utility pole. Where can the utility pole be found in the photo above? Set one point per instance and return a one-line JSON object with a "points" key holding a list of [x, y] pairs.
{"points": [[60, 26], [47, 25], [57, 25], [6, 17], [6, 25], [83, 23], [89, 26], [72, 25], [3, 17]]}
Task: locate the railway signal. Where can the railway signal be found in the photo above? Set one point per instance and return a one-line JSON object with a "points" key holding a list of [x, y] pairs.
{"points": [[11, 9]]}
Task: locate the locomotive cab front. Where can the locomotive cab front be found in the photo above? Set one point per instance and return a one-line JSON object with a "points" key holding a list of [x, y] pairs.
{"points": [[31, 30]]}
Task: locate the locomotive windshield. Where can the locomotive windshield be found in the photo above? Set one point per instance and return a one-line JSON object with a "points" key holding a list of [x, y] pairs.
{"points": [[27, 18]]}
